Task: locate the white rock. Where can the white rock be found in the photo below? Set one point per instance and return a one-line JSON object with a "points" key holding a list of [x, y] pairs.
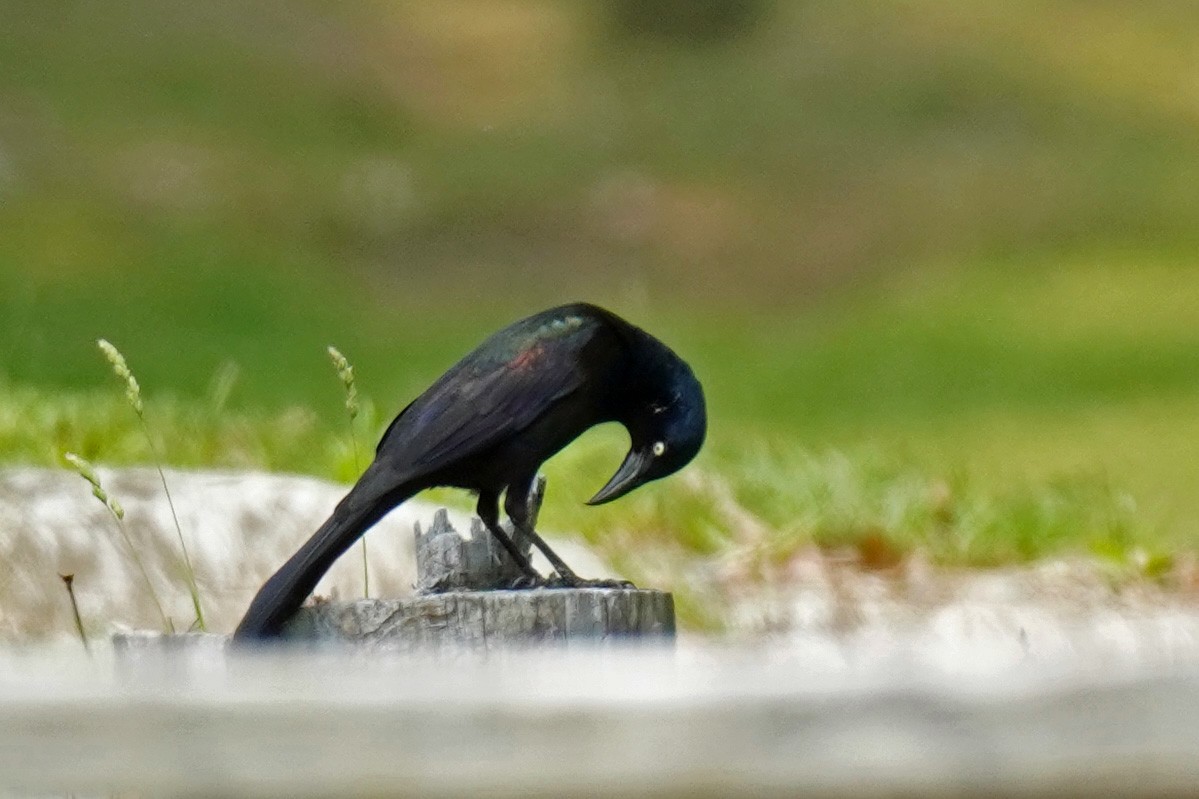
{"points": [[239, 528]]}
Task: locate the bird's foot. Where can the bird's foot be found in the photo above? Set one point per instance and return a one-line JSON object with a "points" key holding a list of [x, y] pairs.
{"points": [[527, 582], [572, 581]]}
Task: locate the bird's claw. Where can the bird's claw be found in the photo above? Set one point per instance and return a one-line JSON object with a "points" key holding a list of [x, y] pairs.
{"points": [[622, 585], [528, 582], [558, 581]]}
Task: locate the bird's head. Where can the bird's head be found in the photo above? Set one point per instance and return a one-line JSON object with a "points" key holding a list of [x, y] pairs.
{"points": [[667, 427]]}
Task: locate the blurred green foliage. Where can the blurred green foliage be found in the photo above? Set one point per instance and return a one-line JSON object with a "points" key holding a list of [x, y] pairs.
{"points": [[959, 233], [697, 22]]}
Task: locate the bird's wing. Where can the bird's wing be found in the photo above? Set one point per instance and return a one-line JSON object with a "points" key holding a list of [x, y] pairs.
{"points": [[490, 395]]}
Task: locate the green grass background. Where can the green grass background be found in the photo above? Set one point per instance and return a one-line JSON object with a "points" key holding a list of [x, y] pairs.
{"points": [[934, 263]]}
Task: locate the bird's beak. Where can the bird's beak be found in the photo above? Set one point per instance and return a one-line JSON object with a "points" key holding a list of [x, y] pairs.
{"points": [[627, 477]]}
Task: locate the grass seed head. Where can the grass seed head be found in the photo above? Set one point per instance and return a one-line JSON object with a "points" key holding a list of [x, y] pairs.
{"points": [[133, 391], [346, 373], [84, 467], [88, 472]]}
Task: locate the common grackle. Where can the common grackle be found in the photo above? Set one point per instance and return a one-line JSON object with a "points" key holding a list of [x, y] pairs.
{"points": [[489, 423]]}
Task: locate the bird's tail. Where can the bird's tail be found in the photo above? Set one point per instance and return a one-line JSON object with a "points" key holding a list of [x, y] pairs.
{"points": [[375, 493]]}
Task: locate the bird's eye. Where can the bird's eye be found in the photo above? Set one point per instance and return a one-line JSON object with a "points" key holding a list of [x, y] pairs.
{"points": [[659, 448]]}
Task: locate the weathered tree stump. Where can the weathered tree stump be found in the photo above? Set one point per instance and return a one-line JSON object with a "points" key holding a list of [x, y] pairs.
{"points": [[479, 620], [445, 561], [462, 602]]}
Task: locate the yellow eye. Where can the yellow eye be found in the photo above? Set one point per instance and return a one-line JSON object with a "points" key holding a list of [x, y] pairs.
{"points": [[659, 448]]}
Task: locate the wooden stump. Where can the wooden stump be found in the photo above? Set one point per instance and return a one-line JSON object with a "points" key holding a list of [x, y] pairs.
{"points": [[480, 620], [461, 602]]}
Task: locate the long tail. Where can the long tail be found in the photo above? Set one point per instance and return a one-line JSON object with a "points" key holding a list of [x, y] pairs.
{"points": [[375, 493]]}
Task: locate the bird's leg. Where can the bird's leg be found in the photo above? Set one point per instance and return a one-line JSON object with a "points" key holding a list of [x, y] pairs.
{"points": [[520, 514], [534, 498], [566, 575], [489, 513]]}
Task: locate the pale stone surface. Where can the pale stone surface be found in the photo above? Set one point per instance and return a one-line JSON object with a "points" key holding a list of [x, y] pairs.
{"points": [[1056, 613], [239, 527]]}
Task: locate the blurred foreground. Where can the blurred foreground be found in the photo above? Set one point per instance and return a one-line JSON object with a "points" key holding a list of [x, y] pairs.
{"points": [[699, 722]]}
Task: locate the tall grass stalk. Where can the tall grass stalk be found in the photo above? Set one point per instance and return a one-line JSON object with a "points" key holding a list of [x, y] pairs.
{"points": [[134, 395], [346, 373], [88, 473]]}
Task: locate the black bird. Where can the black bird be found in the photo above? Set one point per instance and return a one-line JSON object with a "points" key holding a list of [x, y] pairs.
{"points": [[489, 423]]}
